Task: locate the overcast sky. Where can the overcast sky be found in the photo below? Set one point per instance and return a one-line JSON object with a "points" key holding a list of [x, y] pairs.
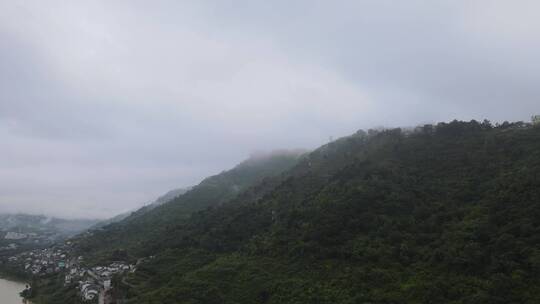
{"points": [[105, 105]]}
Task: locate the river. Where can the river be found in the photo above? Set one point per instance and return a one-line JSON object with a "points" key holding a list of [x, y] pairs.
{"points": [[9, 292]]}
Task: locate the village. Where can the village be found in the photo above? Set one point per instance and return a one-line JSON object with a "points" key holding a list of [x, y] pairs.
{"points": [[92, 283], [29, 238]]}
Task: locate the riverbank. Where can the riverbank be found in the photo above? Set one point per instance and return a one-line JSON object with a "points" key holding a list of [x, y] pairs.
{"points": [[10, 291], [18, 278]]}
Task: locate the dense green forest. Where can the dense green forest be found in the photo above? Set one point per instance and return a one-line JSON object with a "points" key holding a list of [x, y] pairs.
{"points": [[447, 213]]}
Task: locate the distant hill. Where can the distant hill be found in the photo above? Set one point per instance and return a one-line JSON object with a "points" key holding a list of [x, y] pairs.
{"points": [[40, 224]]}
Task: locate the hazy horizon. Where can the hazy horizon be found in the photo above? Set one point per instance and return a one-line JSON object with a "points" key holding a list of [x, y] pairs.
{"points": [[104, 106]]}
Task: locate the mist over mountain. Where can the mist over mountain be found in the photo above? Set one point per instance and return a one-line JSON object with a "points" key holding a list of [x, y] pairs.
{"points": [[169, 196], [138, 160], [106, 105], [25, 223], [143, 225]]}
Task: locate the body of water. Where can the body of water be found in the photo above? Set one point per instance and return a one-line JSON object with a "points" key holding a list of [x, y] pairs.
{"points": [[9, 292]]}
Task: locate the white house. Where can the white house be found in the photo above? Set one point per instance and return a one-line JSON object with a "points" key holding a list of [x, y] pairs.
{"points": [[89, 291]]}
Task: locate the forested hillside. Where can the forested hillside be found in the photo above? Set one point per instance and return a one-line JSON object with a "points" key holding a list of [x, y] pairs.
{"points": [[442, 214], [165, 198], [448, 214]]}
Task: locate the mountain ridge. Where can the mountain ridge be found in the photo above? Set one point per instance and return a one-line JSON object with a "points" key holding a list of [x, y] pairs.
{"points": [[379, 216], [445, 213], [212, 191]]}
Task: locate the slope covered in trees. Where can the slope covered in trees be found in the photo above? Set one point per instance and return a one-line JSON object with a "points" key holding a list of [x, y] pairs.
{"points": [[448, 214], [445, 214]]}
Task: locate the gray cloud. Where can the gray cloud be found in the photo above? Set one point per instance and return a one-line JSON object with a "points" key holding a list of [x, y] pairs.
{"points": [[105, 105]]}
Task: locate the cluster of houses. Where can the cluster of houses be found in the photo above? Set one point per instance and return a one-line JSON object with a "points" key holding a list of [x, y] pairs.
{"points": [[11, 246], [97, 279], [29, 238], [90, 281], [11, 235], [41, 261]]}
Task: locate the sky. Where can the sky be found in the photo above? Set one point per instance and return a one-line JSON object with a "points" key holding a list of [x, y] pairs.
{"points": [[105, 105]]}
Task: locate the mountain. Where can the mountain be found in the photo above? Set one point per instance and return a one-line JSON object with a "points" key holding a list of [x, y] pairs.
{"points": [[446, 214], [40, 226]]}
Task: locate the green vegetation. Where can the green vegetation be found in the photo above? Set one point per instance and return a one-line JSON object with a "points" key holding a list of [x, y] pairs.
{"points": [[51, 290], [446, 214]]}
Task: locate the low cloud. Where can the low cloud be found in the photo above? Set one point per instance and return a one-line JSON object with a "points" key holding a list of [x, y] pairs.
{"points": [[106, 105]]}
